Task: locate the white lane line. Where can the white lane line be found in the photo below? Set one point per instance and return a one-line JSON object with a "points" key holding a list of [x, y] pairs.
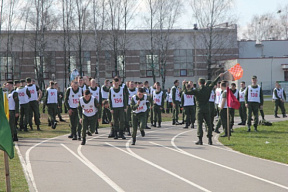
{"points": [[28, 163], [97, 171], [218, 164], [131, 153], [23, 163], [237, 152], [233, 151]]}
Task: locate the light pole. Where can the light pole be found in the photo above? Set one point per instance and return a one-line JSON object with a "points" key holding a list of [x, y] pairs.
{"points": [[271, 75]]}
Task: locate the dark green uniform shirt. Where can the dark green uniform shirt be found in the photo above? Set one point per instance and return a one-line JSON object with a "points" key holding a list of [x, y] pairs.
{"points": [[202, 95]]}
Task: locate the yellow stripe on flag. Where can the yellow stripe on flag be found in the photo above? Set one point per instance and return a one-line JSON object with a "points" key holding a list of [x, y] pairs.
{"points": [[6, 106]]}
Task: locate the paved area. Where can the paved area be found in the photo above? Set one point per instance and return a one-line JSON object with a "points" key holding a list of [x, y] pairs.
{"points": [[166, 159]]}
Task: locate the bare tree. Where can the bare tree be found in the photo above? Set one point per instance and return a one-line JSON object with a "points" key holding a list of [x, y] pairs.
{"points": [[167, 15], [82, 15], [152, 59], [283, 12], [210, 15], [66, 26], [263, 27], [114, 12], [98, 26]]}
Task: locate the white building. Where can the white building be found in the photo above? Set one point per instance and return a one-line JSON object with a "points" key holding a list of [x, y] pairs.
{"points": [[268, 60]]}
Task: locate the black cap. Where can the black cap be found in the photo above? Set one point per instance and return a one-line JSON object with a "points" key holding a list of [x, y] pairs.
{"points": [[28, 79], [87, 92], [201, 81], [22, 80], [141, 90], [254, 77], [16, 81], [10, 82]]}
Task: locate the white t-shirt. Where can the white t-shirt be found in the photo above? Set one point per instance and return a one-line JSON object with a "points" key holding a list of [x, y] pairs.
{"points": [[73, 98], [131, 94], [242, 95], [220, 100], [279, 93], [212, 96], [11, 101], [88, 109], [104, 93], [142, 106], [33, 92], [52, 96], [23, 97], [254, 94], [157, 98], [218, 93], [117, 98], [96, 93], [188, 100]]}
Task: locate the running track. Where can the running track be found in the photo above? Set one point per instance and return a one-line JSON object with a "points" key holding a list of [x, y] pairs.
{"points": [[166, 159]]}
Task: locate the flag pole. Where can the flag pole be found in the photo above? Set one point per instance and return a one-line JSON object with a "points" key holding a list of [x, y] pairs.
{"points": [[228, 123], [228, 120], [7, 172]]}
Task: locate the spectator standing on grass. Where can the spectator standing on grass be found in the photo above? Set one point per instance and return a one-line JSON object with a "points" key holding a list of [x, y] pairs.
{"points": [[253, 101], [279, 98], [242, 109]]}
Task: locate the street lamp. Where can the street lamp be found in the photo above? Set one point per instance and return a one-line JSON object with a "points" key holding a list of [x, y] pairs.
{"points": [[271, 75]]}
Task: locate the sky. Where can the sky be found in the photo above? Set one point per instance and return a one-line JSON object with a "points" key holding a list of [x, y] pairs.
{"points": [[244, 10], [247, 8]]}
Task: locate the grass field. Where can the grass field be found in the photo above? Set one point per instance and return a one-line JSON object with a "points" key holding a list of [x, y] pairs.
{"points": [[18, 181], [269, 143]]}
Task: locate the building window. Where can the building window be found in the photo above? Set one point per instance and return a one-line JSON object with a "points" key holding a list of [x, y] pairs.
{"points": [[149, 73], [6, 65], [45, 73], [183, 62], [286, 75], [183, 72], [114, 74], [152, 62], [8, 76], [87, 63]]}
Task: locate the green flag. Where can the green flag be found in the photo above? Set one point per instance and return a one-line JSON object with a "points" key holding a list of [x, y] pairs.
{"points": [[6, 142]]}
